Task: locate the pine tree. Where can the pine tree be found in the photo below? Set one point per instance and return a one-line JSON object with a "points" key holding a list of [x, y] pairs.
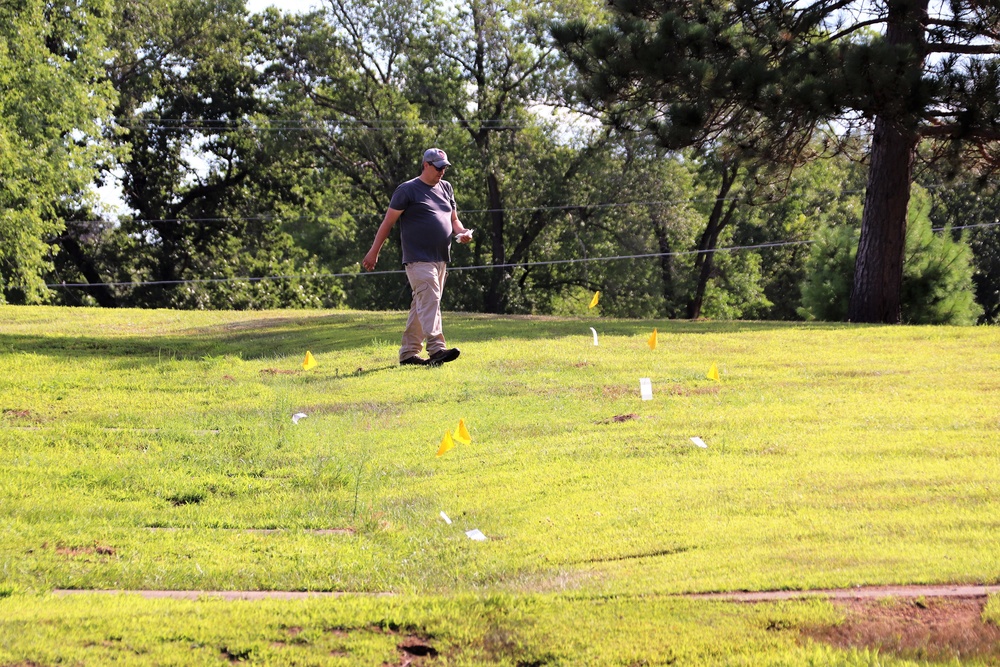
{"points": [[937, 283], [766, 74]]}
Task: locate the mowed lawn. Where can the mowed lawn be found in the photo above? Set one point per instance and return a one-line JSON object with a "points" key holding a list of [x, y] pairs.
{"points": [[156, 450]]}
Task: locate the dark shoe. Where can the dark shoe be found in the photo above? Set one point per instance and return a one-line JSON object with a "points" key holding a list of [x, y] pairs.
{"points": [[444, 356], [413, 361]]}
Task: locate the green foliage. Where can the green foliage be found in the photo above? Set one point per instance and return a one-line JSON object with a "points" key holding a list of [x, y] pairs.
{"points": [[937, 273], [829, 274], [968, 201], [52, 105], [823, 193], [261, 146], [737, 293], [498, 62], [204, 186], [759, 78]]}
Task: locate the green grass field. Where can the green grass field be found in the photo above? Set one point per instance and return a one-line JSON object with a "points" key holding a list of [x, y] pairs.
{"points": [[156, 450]]}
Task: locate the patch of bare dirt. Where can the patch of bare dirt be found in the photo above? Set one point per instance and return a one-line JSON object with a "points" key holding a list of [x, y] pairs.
{"points": [[933, 629], [681, 390], [278, 371], [264, 323], [413, 649], [98, 549], [364, 407], [23, 418], [618, 419], [616, 391]]}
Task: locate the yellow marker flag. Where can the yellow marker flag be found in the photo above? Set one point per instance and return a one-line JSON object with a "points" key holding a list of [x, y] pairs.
{"points": [[446, 443], [593, 302], [713, 373], [652, 340], [462, 433], [309, 362]]}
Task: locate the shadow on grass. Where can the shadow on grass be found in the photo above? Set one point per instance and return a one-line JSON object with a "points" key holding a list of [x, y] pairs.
{"points": [[273, 337]]}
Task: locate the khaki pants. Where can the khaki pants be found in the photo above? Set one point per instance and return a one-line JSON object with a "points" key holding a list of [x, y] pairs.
{"points": [[427, 282]]}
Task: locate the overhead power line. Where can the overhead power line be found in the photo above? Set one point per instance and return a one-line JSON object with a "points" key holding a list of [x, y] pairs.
{"points": [[479, 267], [308, 125], [301, 276], [512, 209], [336, 121]]}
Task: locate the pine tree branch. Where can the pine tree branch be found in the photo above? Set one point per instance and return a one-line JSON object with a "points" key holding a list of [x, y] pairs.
{"points": [[962, 26], [856, 27], [966, 49], [817, 12], [959, 131]]}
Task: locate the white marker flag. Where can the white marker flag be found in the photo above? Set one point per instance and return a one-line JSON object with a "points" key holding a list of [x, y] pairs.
{"points": [[646, 389], [699, 442], [445, 517], [474, 534], [595, 335], [297, 416]]}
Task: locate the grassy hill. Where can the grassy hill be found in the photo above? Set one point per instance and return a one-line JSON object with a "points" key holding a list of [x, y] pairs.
{"points": [[156, 450]]}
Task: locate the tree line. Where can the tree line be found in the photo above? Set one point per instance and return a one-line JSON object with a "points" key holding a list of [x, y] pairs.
{"points": [[687, 159]]}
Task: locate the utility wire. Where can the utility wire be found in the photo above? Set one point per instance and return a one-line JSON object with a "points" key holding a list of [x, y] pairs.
{"points": [[995, 223], [522, 209], [307, 125], [776, 244], [680, 253], [529, 209], [327, 121]]}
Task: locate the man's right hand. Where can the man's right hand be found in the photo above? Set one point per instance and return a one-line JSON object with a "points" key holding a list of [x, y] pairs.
{"points": [[370, 260]]}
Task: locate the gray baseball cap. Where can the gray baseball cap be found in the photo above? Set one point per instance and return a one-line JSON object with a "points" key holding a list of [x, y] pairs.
{"points": [[436, 157]]}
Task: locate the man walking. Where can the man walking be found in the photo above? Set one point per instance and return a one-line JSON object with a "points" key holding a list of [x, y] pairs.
{"points": [[427, 215]]}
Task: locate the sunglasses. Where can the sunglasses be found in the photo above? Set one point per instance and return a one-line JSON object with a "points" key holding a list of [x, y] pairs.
{"points": [[439, 169]]}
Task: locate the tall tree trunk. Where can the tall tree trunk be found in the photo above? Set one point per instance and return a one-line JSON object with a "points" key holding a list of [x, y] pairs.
{"points": [[878, 269], [666, 266], [720, 217], [102, 293], [709, 242], [494, 293]]}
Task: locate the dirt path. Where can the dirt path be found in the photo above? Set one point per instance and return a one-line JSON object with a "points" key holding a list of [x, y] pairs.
{"points": [[860, 593], [225, 595], [937, 623]]}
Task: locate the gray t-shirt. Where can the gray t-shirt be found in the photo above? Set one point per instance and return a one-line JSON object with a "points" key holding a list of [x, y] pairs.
{"points": [[425, 226]]}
